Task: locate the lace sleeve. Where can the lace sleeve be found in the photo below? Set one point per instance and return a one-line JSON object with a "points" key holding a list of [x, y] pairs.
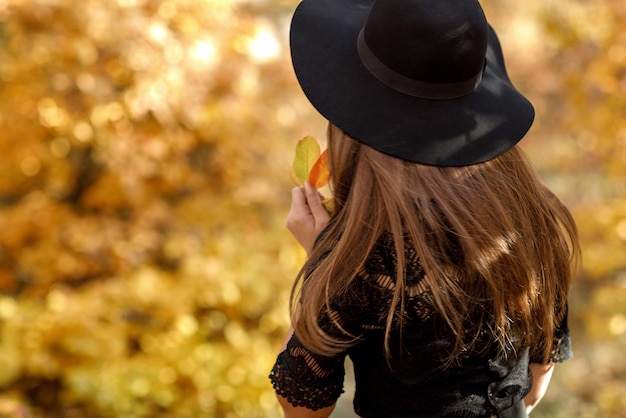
{"points": [[561, 344], [307, 379], [315, 381], [562, 349]]}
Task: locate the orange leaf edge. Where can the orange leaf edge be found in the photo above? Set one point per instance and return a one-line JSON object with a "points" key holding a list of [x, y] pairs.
{"points": [[320, 173]]}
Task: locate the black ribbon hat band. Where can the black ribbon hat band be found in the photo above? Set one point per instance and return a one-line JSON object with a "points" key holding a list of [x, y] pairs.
{"points": [[409, 86]]}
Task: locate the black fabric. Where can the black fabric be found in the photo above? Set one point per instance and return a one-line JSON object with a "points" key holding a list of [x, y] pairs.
{"points": [[474, 128], [516, 411], [413, 383], [305, 379]]}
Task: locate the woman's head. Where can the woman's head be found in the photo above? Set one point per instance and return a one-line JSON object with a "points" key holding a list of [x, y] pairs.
{"points": [[513, 239]]}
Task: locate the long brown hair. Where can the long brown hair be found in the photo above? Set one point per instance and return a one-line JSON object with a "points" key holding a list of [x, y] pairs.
{"points": [[518, 243]]}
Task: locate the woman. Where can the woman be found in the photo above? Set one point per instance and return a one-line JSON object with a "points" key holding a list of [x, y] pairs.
{"points": [[444, 268]]}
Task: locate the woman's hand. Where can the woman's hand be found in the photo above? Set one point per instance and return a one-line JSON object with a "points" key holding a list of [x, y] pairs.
{"points": [[307, 216]]}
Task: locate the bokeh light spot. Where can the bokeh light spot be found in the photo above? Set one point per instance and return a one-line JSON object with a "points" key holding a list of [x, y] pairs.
{"points": [[30, 166], [60, 147], [263, 46]]}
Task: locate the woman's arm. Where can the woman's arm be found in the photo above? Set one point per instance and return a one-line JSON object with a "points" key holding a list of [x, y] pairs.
{"points": [[541, 373], [306, 219], [291, 411]]}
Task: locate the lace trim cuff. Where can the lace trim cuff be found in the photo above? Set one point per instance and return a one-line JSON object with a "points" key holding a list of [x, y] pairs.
{"points": [[299, 393], [563, 350]]}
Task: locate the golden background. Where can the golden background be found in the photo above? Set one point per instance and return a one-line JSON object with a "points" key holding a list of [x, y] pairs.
{"points": [[145, 151]]}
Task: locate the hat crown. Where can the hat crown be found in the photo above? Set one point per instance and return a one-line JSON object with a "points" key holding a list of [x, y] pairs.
{"points": [[432, 41]]}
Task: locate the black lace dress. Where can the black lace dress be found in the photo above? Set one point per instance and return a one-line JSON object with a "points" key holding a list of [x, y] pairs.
{"points": [[412, 383]]}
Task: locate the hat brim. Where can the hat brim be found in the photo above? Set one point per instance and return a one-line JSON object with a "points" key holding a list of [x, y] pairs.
{"points": [[452, 132]]}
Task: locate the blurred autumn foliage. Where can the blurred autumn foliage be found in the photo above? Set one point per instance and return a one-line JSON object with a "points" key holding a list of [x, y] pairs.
{"points": [[146, 149]]}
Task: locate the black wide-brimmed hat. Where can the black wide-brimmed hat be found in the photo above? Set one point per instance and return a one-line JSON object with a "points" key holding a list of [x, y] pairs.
{"points": [[422, 80]]}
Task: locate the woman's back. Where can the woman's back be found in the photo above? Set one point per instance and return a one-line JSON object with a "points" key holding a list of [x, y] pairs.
{"points": [[427, 341]]}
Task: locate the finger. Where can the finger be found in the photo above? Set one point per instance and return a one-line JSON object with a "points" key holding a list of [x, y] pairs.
{"points": [[312, 195], [314, 200], [299, 211], [298, 199]]}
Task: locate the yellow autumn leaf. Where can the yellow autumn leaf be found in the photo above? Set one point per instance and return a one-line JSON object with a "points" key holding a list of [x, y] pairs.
{"points": [[307, 153]]}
